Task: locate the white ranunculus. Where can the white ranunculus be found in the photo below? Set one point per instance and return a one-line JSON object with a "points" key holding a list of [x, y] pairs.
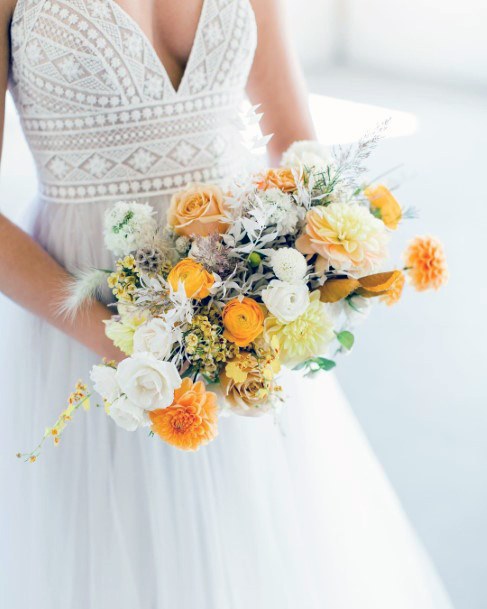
{"points": [[105, 382], [148, 382], [288, 264], [286, 301], [156, 336], [127, 415], [308, 154]]}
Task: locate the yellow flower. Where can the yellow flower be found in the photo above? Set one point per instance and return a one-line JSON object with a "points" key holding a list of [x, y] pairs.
{"points": [[128, 262], [195, 278], [122, 332], [382, 201], [347, 237], [307, 336]]}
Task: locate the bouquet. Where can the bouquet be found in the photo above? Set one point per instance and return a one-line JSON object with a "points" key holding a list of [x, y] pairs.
{"points": [[270, 272]]}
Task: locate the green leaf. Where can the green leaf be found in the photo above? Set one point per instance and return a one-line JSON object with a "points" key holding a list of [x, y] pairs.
{"points": [[315, 364], [323, 363], [346, 339]]}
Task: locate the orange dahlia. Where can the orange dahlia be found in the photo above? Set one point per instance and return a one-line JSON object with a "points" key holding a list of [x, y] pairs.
{"points": [[426, 263], [394, 293], [192, 419]]}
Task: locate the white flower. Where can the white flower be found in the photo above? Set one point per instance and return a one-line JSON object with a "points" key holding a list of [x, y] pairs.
{"points": [[281, 210], [156, 336], [349, 312], [148, 382], [308, 154], [286, 301], [128, 227], [288, 264], [357, 308], [127, 415], [182, 244], [105, 382]]}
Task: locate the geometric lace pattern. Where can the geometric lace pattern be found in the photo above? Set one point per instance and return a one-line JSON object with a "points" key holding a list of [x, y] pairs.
{"points": [[100, 113]]}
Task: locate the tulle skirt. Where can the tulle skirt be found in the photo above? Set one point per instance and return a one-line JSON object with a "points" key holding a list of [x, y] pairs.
{"points": [[288, 514]]}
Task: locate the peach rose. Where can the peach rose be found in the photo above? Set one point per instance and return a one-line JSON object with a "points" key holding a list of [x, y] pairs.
{"points": [[191, 420], [282, 178], [198, 210], [382, 201], [247, 385], [243, 321], [195, 278], [426, 263]]}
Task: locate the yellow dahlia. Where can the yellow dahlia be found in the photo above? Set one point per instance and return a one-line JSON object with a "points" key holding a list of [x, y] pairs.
{"points": [[122, 332], [347, 237], [307, 336]]}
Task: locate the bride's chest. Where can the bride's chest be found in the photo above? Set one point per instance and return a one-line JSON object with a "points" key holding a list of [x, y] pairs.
{"points": [[94, 53]]}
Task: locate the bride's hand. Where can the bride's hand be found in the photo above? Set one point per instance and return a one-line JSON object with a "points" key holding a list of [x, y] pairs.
{"points": [[34, 280]]}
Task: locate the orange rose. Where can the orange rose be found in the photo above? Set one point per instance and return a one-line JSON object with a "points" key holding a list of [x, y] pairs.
{"points": [[382, 201], [277, 178], [243, 321], [195, 278], [192, 419], [198, 210], [426, 264]]}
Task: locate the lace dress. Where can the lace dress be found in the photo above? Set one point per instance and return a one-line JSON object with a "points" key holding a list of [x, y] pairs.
{"points": [[296, 516]]}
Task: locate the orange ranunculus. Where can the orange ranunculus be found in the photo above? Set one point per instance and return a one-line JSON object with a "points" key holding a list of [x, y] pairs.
{"points": [[281, 178], [198, 210], [394, 293], [192, 419], [243, 321], [195, 278], [426, 264], [382, 201]]}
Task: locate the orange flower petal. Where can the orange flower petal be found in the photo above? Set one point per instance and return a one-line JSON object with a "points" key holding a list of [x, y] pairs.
{"points": [[334, 290], [192, 419]]}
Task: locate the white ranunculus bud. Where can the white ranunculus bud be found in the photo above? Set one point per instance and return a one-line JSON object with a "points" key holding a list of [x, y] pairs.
{"points": [[288, 264], [148, 382], [105, 382], [156, 337], [127, 415], [308, 154], [286, 301]]}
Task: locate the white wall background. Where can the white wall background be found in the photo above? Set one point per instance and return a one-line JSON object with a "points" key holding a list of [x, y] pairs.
{"points": [[435, 40]]}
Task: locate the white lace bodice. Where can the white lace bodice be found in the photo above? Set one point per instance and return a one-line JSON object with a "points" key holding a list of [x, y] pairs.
{"points": [[99, 111]]}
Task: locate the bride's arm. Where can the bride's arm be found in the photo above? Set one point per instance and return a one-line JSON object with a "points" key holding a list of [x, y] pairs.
{"points": [[276, 80], [28, 275]]}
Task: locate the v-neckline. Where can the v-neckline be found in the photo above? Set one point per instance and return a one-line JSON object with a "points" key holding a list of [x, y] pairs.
{"points": [[138, 28]]}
